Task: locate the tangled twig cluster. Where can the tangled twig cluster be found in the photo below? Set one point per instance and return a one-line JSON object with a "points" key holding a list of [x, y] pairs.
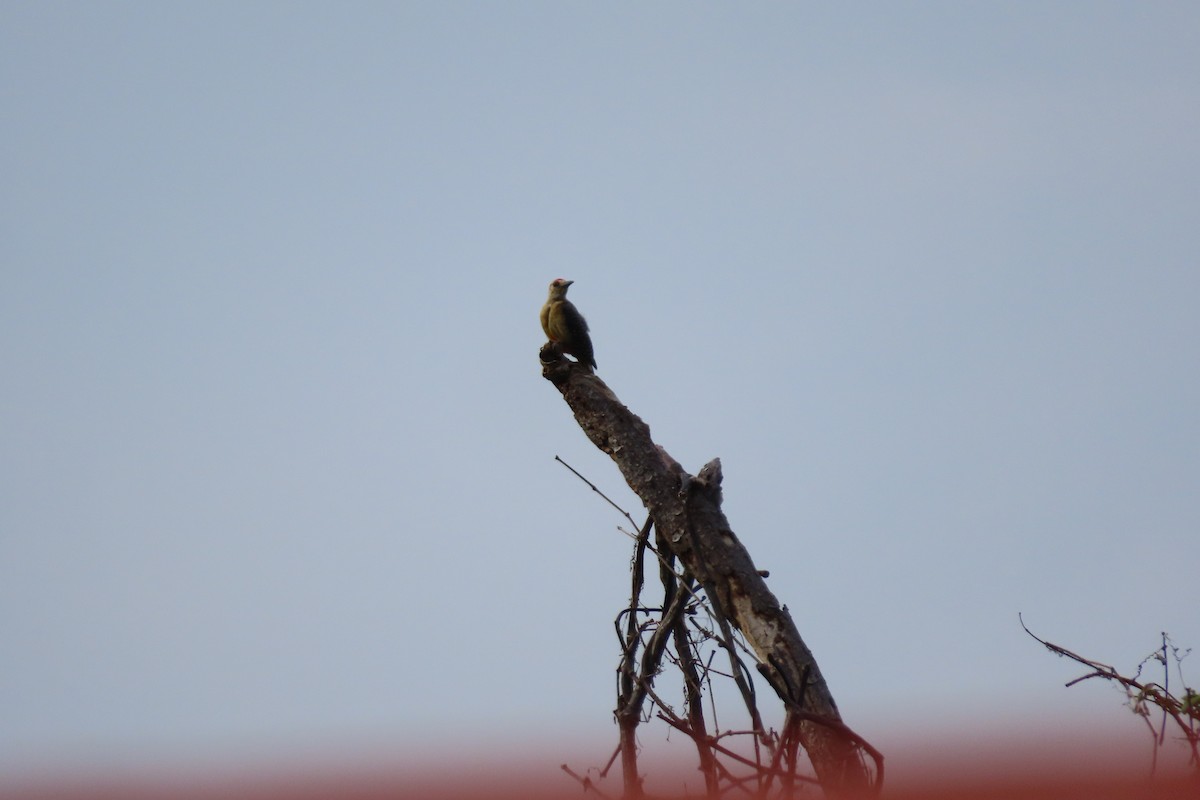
{"points": [[687, 634]]}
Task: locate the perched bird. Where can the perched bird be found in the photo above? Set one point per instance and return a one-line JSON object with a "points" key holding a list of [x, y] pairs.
{"points": [[565, 326]]}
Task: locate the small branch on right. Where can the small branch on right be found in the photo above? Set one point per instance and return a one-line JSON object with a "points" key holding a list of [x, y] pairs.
{"points": [[1144, 696]]}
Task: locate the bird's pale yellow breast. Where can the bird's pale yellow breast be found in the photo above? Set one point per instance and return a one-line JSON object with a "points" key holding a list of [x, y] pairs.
{"points": [[547, 313], [554, 321]]}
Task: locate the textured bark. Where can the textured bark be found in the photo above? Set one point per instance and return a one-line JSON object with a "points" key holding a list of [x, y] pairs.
{"points": [[687, 513]]}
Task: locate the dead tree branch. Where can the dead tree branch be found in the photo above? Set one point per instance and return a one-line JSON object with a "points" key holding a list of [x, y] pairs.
{"points": [[687, 516]]}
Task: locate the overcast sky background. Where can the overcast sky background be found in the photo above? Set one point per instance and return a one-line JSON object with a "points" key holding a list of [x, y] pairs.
{"points": [[276, 457]]}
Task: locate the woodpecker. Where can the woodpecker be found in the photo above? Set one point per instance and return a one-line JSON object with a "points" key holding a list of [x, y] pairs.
{"points": [[565, 326]]}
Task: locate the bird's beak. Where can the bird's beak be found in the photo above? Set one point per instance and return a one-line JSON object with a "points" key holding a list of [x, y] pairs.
{"points": [[567, 283]]}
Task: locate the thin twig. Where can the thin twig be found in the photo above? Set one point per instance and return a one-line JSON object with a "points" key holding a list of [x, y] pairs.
{"points": [[682, 726], [725, 640], [692, 688], [597, 491], [611, 759], [584, 781]]}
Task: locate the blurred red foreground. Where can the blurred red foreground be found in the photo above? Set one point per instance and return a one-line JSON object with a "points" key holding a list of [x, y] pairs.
{"points": [[398, 787], [1032, 765]]}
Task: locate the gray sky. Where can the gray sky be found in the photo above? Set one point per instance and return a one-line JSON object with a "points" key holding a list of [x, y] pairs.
{"points": [[276, 456]]}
